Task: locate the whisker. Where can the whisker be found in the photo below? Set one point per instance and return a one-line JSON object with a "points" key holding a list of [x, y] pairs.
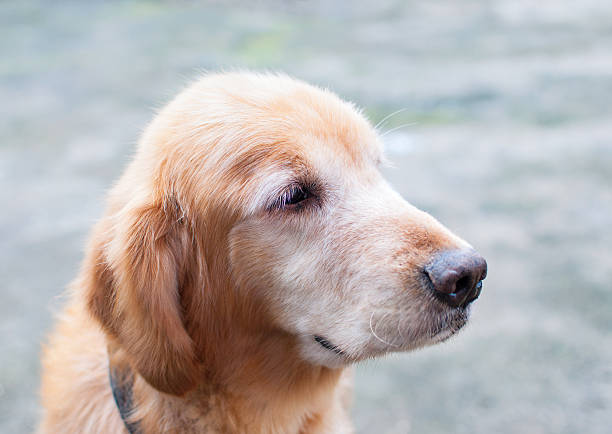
{"points": [[409, 124], [376, 336], [380, 320], [399, 329], [383, 120]]}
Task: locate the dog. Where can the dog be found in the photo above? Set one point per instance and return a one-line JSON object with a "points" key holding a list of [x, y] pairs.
{"points": [[249, 255]]}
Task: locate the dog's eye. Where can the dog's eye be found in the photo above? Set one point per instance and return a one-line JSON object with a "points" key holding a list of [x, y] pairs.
{"points": [[296, 195], [293, 197]]}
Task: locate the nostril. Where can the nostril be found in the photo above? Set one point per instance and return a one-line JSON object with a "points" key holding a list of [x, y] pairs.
{"points": [[463, 284]]}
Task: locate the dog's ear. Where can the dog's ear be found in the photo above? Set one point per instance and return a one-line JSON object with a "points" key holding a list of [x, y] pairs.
{"points": [[134, 272]]}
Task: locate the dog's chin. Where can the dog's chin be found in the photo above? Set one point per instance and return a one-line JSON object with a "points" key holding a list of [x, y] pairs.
{"points": [[324, 351], [449, 327], [449, 324]]}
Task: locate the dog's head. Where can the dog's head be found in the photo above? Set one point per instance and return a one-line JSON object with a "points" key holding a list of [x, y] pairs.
{"points": [[257, 200]]}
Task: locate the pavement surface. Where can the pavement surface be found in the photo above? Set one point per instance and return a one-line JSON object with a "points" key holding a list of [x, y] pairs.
{"points": [[505, 136]]}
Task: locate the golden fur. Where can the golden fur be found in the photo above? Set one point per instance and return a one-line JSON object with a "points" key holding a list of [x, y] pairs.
{"points": [[198, 281]]}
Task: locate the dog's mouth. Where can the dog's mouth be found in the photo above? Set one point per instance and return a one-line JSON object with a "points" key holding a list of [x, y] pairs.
{"points": [[445, 325], [328, 345]]}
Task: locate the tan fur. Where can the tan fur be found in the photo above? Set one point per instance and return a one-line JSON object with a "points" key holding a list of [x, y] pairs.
{"points": [[197, 283]]}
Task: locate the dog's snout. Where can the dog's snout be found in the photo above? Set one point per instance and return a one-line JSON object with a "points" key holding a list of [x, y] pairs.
{"points": [[456, 276]]}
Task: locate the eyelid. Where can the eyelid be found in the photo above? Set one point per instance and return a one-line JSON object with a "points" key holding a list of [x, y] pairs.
{"points": [[290, 192], [280, 198], [280, 202]]}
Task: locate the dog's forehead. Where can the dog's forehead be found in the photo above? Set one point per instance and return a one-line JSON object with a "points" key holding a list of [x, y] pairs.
{"points": [[246, 130], [332, 148], [265, 109], [322, 124], [315, 126]]}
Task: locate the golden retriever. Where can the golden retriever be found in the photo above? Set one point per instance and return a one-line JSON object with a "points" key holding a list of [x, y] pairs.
{"points": [[250, 253]]}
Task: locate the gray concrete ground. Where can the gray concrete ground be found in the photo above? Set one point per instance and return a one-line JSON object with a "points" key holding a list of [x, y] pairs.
{"points": [[509, 143]]}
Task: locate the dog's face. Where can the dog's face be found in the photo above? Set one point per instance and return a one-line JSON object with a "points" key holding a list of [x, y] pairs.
{"points": [[332, 249], [279, 184]]}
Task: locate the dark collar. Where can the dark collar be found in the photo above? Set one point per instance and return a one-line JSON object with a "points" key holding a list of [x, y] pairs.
{"points": [[121, 382]]}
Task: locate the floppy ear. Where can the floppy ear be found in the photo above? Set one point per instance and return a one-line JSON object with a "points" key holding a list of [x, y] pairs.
{"points": [[134, 273]]}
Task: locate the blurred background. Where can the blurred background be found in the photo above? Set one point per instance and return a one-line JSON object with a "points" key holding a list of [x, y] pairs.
{"points": [[505, 135]]}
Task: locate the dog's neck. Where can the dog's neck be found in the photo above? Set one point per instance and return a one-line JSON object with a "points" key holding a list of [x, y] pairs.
{"points": [[254, 383], [252, 377]]}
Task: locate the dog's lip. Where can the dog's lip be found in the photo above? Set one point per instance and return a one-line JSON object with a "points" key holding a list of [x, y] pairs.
{"points": [[325, 343], [451, 324]]}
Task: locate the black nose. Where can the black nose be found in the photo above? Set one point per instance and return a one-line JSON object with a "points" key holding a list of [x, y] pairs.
{"points": [[456, 276]]}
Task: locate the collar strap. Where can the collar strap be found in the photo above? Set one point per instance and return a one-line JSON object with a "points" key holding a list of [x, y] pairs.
{"points": [[121, 382]]}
